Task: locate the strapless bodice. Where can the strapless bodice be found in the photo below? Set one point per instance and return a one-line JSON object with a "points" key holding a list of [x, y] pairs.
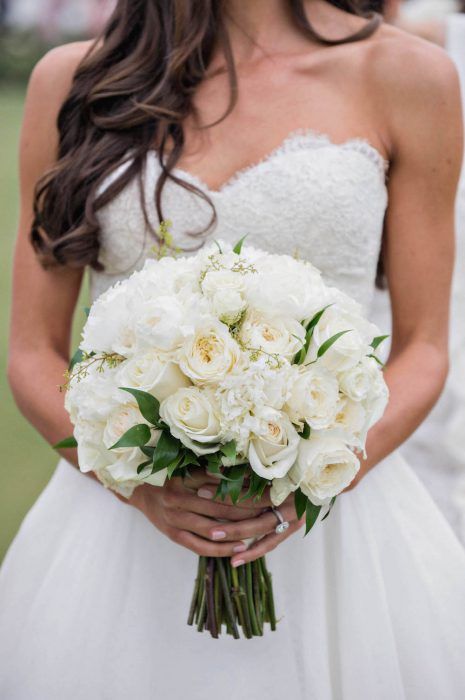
{"points": [[322, 201]]}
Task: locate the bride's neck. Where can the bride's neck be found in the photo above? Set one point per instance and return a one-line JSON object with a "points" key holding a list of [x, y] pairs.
{"points": [[266, 24]]}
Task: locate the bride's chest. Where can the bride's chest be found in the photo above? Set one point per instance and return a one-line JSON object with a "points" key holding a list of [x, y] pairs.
{"points": [[322, 201]]}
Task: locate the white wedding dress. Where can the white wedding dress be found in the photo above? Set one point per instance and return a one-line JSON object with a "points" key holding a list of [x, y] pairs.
{"points": [[93, 599]]}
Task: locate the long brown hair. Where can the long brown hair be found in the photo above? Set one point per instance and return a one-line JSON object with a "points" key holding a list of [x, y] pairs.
{"points": [[134, 89]]}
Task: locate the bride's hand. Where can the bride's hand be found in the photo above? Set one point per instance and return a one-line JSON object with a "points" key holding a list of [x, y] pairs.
{"points": [[187, 514]]}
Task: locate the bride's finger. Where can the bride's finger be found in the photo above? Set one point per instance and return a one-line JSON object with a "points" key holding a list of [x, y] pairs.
{"points": [[253, 527], [198, 477], [202, 547], [209, 491], [181, 500], [266, 544]]}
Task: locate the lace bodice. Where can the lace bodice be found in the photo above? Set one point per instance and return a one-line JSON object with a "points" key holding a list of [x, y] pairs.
{"points": [[322, 201]]}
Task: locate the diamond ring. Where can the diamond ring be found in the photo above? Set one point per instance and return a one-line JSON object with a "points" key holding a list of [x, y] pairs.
{"points": [[282, 524]]}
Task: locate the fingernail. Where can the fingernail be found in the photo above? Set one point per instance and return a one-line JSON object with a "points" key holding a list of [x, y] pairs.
{"points": [[240, 548], [237, 563], [205, 493], [218, 535]]}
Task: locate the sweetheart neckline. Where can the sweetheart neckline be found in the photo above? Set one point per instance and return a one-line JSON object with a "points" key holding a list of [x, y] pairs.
{"points": [[294, 138]]}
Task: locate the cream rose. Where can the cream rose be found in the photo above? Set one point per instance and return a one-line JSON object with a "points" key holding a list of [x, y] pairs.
{"points": [[324, 468], [349, 349], [281, 335], [273, 446], [121, 418], [228, 305], [210, 353], [281, 489], [192, 416], [149, 372], [159, 323], [223, 280], [356, 382], [314, 397]]}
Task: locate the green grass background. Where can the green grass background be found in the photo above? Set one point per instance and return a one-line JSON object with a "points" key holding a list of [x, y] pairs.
{"points": [[26, 461]]}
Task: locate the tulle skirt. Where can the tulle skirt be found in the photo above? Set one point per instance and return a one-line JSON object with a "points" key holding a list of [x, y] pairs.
{"points": [[94, 600]]}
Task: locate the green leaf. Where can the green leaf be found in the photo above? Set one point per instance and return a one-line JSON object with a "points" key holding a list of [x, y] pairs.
{"points": [[305, 434], [229, 450], [87, 310], [189, 459], [324, 347], [142, 466], [149, 406], [171, 468], [76, 358], [238, 247], [309, 328], [148, 451], [315, 319], [376, 358], [378, 340], [137, 436], [311, 515], [66, 443], [236, 481], [256, 483], [166, 451], [330, 507], [300, 503]]}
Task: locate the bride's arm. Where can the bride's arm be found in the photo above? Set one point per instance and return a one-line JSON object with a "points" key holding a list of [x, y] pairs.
{"points": [[42, 311], [422, 104], [43, 301]]}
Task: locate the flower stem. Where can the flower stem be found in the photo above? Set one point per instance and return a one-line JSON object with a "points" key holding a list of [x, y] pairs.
{"points": [[250, 600], [230, 616], [210, 597], [269, 596], [238, 595], [195, 595]]}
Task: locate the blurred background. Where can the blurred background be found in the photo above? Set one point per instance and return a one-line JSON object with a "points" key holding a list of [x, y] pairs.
{"points": [[28, 28]]}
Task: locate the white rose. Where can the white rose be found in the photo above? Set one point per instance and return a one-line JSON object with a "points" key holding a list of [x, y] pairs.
{"points": [[350, 421], [348, 350], [324, 468], [192, 416], [210, 353], [159, 323], [223, 280], [92, 453], [281, 489], [314, 397], [149, 372], [292, 288], [378, 397], [121, 418], [116, 469], [228, 305], [93, 397], [241, 392], [273, 448], [109, 326], [280, 335], [356, 382]]}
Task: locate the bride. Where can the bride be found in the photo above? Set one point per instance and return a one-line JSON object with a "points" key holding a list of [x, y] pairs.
{"points": [[232, 117]]}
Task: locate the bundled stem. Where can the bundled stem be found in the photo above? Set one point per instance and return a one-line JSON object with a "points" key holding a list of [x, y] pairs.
{"points": [[232, 598]]}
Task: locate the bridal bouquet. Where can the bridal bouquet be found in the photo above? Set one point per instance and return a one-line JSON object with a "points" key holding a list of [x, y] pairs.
{"points": [[239, 362]]}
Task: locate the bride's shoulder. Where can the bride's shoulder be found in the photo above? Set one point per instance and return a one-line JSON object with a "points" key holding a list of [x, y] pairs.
{"points": [[405, 69], [53, 75]]}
